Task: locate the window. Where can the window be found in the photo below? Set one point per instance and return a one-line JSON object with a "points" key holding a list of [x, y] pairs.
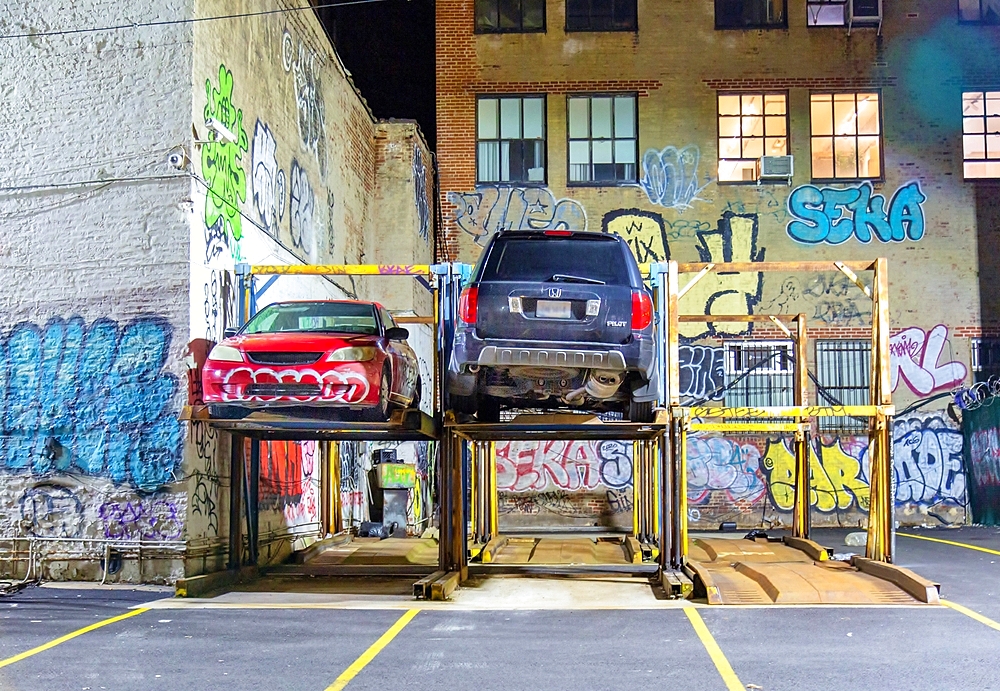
{"points": [[509, 16], [846, 136], [750, 126], [759, 373], [601, 15], [980, 11], [985, 358], [981, 133], [842, 373], [750, 14], [602, 139], [511, 139], [826, 12]]}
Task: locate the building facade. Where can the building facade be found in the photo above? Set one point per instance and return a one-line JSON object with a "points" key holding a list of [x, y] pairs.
{"points": [[748, 130], [143, 164]]}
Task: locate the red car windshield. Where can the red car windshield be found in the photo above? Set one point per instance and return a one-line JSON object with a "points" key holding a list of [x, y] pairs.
{"points": [[325, 317]]}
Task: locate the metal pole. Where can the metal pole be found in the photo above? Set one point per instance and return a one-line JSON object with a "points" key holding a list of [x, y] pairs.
{"points": [[800, 516], [235, 493], [253, 503]]}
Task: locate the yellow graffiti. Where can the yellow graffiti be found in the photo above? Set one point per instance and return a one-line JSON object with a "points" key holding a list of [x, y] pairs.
{"points": [[835, 478], [642, 230], [724, 293]]}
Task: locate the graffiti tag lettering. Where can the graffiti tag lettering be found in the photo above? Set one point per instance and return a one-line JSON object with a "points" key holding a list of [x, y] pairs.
{"points": [[818, 214]]}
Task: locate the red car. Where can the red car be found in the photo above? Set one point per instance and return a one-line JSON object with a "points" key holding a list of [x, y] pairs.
{"points": [[342, 354]]}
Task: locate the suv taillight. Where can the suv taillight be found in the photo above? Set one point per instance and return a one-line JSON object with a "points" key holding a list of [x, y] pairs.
{"points": [[642, 310], [468, 305]]}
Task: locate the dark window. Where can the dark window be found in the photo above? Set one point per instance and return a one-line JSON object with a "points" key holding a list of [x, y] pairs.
{"points": [[759, 374], [547, 258], [842, 374], [601, 15], [979, 11], [603, 144], [328, 317], [513, 16], [985, 358], [510, 133], [749, 14]]}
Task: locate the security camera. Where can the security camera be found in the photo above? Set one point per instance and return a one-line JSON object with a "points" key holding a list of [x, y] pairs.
{"points": [[178, 159], [221, 130]]}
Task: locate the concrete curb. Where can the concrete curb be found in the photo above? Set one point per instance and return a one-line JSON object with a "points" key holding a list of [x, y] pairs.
{"points": [[198, 586]]}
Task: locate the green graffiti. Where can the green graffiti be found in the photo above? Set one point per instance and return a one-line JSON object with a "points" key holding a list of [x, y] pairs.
{"points": [[222, 160]]}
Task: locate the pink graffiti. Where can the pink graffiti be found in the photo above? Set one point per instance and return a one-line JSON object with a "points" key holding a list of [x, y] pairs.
{"points": [[915, 356], [722, 464], [573, 465]]}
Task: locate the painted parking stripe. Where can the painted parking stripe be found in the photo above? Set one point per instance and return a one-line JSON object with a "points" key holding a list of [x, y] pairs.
{"points": [[70, 636], [733, 682], [970, 613], [373, 650], [953, 544]]}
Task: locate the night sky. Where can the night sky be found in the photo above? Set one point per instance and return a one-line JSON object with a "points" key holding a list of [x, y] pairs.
{"points": [[388, 47]]}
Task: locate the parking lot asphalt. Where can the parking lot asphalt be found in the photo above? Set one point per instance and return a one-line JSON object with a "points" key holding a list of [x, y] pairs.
{"points": [[295, 647]]}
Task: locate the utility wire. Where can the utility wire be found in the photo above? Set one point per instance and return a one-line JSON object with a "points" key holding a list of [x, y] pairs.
{"points": [[192, 20]]}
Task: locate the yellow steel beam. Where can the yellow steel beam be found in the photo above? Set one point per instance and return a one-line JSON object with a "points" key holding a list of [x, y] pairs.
{"points": [[854, 278], [341, 270], [791, 411], [731, 318], [744, 427], [690, 284], [767, 267]]}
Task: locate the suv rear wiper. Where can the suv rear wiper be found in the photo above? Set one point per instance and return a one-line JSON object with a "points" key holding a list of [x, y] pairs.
{"points": [[566, 278]]}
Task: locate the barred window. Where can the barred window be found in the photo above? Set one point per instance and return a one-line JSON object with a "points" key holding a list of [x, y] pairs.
{"points": [[985, 358], [511, 139], [509, 16], [981, 133], [603, 144], [759, 373], [843, 373], [846, 136]]}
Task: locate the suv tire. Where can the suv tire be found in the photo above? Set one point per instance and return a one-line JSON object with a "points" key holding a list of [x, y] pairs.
{"points": [[640, 411]]}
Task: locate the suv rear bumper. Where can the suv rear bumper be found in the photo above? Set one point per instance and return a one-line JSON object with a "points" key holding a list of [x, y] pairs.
{"points": [[470, 351]]}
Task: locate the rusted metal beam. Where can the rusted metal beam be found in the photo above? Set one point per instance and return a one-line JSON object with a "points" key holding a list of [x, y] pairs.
{"points": [[731, 318]]}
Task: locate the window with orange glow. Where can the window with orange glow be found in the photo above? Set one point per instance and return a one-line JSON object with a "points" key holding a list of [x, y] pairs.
{"points": [[981, 133], [846, 136], [750, 126]]}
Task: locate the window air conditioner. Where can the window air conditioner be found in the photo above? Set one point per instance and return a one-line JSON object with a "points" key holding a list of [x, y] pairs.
{"points": [[864, 13], [775, 169]]}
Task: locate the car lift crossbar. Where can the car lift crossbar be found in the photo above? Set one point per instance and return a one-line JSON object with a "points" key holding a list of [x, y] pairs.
{"points": [[740, 427], [512, 431], [342, 270], [789, 411]]}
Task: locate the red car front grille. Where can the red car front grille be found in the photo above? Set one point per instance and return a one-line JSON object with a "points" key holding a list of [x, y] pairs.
{"points": [[283, 358], [283, 390]]}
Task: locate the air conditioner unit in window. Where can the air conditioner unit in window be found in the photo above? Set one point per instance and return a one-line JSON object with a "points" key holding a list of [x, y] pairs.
{"points": [[864, 13], [775, 169]]}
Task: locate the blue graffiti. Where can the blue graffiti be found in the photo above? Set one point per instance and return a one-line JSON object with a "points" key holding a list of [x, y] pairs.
{"points": [[91, 399], [819, 214], [670, 177]]}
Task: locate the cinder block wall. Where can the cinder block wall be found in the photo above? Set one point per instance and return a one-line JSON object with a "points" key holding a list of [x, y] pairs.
{"points": [[677, 63]]}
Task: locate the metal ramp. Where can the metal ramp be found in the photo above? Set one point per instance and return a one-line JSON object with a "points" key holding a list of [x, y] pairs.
{"points": [[764, 572]]}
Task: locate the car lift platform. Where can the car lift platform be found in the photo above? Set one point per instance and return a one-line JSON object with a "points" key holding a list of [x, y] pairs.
{"points": [[404, 425], [791, 570], [571, 426]]}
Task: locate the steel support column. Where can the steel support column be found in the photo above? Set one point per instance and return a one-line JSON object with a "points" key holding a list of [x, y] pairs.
{"points": [[800, 515], [253, 505], [235, 501], [881, 503]]}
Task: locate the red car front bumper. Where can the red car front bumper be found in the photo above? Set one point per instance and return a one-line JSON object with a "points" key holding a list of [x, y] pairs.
{"points": [[354, 384]]}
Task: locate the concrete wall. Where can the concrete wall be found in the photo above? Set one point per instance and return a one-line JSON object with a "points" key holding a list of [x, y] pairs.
{"points": [[94, 303], [677, 63]]}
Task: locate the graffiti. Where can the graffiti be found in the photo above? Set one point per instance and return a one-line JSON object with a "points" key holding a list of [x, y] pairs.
{"points": [[90, 399], [305, 68], [642, 230], [206, 475], [50, 510], [619, 501], [670, 177], [981, 426], [818, 214], [915, 357], [268, 179], [716, 463], [566, 504], [734, 240], [493, 208], [767, 204], [927, 461], [833, 299], [685, 228], [836, 478], [305, 509], [149, 518], [219, 305], [420, 195], [222, 164], [303, 206], [703, 371], [537, 466], [984, 445], [280, 474]]}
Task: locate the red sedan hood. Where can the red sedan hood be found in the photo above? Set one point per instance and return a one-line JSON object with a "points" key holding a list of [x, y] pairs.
{"points": [[297, 342]]}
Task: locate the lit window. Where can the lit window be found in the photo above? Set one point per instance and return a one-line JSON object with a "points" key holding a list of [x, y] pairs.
{"points": [[750, 14], [979, 11], [846, 136], [750, 126], [826, 13], [509, 16], [511, 139], [981, 133], [603, 146], [601, 15]]}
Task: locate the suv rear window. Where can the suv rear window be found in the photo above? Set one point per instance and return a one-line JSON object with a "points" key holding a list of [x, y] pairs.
{"points": [[540, 259]]}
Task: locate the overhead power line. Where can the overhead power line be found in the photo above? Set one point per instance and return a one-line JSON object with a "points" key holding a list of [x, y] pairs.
{"points": [[192, 20]]}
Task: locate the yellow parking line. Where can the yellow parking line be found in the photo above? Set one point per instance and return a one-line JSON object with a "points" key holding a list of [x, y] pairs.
{"points": [[69, 636], [733, 682], [373, 650], [953, 544], [974, 615]]}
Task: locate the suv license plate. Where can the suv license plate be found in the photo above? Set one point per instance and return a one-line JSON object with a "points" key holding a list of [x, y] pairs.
{"points": [[554, 309]]}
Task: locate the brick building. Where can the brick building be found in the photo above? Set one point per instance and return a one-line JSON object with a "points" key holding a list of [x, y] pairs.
{"points": [[741, 130]]}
